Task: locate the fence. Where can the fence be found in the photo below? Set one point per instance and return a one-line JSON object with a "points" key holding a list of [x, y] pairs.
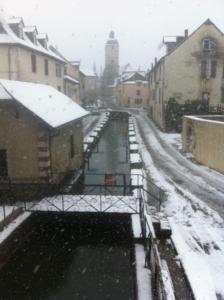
{"points": [[96, 190]]}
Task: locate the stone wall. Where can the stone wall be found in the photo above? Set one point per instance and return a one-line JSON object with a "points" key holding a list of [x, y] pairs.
{"points": [[204, 138]]}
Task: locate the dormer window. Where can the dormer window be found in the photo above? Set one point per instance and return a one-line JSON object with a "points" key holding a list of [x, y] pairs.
{"points": [[31, 33], [208, 44], [42, 39], [17, 25]]}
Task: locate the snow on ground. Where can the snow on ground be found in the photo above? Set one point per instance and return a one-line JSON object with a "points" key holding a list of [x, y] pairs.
{"points": [[12, 226], [173, 139], [144, 289], [88, 123], [136, 226], [91, 122], [197, 230], [5, 211]]}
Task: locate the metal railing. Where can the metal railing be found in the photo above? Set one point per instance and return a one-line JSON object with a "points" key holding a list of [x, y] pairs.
{"points": [[130, 192], [94, 187], [161, 284]]}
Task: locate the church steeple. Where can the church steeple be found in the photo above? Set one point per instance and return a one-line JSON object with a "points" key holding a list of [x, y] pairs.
{"points": [[112, 35]]}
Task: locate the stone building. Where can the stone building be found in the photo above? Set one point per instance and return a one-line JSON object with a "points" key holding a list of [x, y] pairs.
{"points": [[41, 133], [26, 55], [90, 85], [71, 83], [132, 90], [191, 69], [111, 70]]}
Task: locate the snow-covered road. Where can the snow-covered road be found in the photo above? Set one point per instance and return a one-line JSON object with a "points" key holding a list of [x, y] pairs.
{"points": [[204, 184], [194, 206]]}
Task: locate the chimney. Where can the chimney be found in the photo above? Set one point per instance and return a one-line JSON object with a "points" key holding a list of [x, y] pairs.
{"points": [[186, 33], [155, 60], [151, 66]]}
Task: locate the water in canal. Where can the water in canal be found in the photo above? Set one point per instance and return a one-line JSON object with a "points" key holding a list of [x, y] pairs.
{"points": [[111, 156], [77, 257]]}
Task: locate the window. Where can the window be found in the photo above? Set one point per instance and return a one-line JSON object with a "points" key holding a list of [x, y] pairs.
{"points": [[46, 69], [138, 92], [205, 97], [58, 70], [208, 69], [138, 101], [223, 71], [3, 163], [59, 88], [213, 68], [208, 44], [222, 95], [33, 63], [203, 69], [72, 150]]}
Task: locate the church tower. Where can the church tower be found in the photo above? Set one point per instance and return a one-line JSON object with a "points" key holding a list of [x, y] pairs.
{"points": [[111, 70], [111, 58]]}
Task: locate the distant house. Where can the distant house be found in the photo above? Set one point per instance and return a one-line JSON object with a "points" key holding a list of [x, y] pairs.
{"points": [[91, 85], [41, 132], [72, 83], [132, 90], [191, 69]]}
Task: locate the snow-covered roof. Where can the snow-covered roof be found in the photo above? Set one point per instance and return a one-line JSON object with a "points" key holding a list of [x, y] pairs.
{"points": [[69, 78], [42, 36], [44, 101], [88, 73], [9, 37], [30, 29], [75, 63], [3, 94], [15, 20]]}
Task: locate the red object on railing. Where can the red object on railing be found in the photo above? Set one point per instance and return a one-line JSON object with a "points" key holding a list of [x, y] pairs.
{"points": [[110, 180]]}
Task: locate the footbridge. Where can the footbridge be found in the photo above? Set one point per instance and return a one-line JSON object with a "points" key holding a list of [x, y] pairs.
{"points": [[131, 194]]}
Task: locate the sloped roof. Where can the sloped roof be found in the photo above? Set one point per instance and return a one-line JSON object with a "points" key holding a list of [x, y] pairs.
{"points": [[69, 78], [133, 76], [88, 73], [44, 101], [9, 37], [163, 53]]}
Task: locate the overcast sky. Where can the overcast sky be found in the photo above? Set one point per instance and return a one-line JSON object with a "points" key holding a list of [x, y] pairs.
{"points": [[79, 28]]}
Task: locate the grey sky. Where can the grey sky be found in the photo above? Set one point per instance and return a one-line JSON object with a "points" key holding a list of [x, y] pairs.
{"points": [[80, 27]]}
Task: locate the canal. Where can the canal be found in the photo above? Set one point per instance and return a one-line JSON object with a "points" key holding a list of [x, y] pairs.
{"points": [[75, 256], [111, 156]]}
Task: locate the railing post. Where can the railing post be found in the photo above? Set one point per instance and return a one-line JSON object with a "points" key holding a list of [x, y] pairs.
{"points": [[4, 211], [100, 198], [63, 205]]}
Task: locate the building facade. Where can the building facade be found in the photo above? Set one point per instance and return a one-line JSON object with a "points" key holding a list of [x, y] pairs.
{"points": [[132, 90], [90, 83], [27, 56], [191, 70]]}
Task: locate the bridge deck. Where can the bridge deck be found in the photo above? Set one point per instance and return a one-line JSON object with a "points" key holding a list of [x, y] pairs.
{"points": [[86, 203]]}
